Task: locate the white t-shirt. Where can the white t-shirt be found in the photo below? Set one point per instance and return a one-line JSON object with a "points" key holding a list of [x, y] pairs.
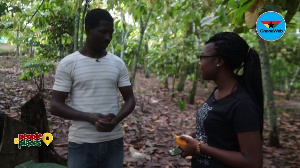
{"points": [[93, 88]]}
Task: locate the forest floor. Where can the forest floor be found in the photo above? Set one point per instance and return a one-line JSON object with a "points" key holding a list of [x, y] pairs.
{"points": [[151, 128]]}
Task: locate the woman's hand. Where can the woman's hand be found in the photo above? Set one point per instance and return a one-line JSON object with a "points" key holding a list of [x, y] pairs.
{"points": [[190, 148]]}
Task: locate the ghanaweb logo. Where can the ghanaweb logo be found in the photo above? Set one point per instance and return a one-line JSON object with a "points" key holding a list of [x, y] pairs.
{"points": [[270, 26]]}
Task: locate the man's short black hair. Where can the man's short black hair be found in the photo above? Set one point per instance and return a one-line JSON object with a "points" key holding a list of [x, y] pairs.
{"points": [[95, 15]]}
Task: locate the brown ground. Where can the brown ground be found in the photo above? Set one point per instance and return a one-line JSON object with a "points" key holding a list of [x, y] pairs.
{"points": [[151, 128]]}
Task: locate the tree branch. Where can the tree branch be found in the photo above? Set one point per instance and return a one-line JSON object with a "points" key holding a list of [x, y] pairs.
{"points": [[34, 14]]}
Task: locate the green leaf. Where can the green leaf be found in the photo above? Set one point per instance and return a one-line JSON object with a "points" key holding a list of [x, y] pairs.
{"points": [[239, 12], [232, 4], [181, 105], [25, 2], [16, 9], [173, 4], [134, 119], [272, 7], [207, 20]]}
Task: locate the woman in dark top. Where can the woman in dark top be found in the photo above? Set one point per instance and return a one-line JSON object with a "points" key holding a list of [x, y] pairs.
{"points": [[230, 123]]}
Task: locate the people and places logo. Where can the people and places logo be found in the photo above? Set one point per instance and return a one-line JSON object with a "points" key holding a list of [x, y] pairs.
{"points": [[29, 140], [270, 26]]}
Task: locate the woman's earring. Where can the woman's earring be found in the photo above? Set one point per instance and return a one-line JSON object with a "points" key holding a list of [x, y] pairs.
{"points": [[218, 65]]}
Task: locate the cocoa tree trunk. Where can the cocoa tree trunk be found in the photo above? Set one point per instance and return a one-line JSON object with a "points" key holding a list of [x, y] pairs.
{"points": [[136, 56], [146, 70], [195, 81], [82, 22], [290, 87], [268, 93], [193, 91], [182, 78], [18, 43], [76, 30], [33, 113], [10, 154]]}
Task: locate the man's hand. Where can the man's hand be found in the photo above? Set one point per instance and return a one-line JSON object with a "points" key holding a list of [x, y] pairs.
{"points": [[106, 124], [94, 117]]}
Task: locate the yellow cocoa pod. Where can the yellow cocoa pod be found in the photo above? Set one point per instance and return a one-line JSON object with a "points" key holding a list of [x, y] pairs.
{"points": [[180, 142]]}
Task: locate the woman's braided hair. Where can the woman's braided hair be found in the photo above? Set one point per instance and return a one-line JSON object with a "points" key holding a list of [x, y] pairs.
{"points": [[238, 55]]}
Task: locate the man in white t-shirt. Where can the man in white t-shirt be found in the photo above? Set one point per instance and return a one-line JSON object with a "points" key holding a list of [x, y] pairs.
{"points": [[92, 77]]}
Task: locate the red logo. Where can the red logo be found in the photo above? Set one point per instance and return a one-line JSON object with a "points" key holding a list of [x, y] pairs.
{"points": [[270, 24]]}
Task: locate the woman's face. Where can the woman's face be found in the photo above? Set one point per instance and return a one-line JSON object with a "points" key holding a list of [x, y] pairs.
{"points": [[208, 62]]}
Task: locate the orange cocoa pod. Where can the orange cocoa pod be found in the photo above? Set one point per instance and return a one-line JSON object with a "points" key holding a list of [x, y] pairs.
{"points": [[180, 142]]}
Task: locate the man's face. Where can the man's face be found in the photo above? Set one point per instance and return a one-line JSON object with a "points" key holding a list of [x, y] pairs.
{"points": [[100, 37]]}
